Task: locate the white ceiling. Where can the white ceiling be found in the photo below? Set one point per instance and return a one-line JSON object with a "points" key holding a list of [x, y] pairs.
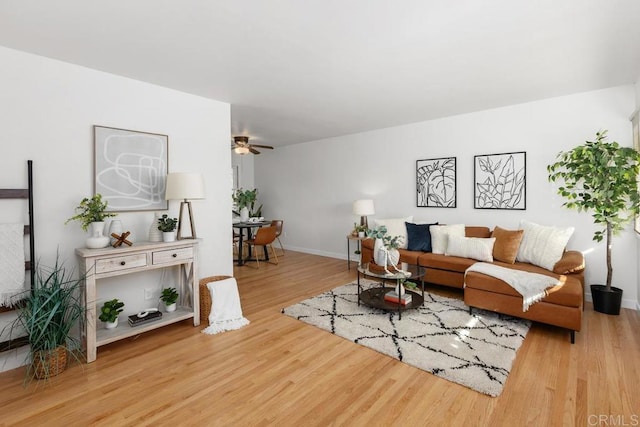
{"points": [[303, 70]]}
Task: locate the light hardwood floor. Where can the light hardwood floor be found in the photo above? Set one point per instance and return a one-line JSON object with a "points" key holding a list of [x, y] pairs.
{"points": [[279, 371]]}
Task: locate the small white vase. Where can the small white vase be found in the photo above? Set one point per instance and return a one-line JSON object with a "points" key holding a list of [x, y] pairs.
{"points": [[168, 236], [111, 325], [169, 308], [244, 214], [400, 289], [155, 235], [97, 239], [360, 234]]}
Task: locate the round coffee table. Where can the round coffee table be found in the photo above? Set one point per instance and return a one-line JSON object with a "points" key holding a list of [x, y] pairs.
{"points": [[374, 296]]}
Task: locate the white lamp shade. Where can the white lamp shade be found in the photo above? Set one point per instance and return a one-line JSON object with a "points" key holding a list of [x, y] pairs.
{"points": [[363, 207], [184, 186]]}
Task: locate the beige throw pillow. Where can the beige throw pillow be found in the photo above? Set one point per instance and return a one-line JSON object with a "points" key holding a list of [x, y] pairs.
{"points": [[395, 227], [542, 245], [471, 247], [440, 236]]}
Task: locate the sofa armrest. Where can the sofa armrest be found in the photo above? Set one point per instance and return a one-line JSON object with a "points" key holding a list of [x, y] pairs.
{"points": [[571, 262]]}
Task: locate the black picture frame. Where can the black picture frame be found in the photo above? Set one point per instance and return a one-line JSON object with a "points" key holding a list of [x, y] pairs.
{"points": [[436, 183], [130, 169], [500, 181]]}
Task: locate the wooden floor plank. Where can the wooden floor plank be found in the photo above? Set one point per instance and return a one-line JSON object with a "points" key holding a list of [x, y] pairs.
{"points": [[279, 371]]}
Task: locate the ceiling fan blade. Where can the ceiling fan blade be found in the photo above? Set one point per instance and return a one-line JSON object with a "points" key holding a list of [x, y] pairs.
{"points": [[262, 146], [253, 150]]}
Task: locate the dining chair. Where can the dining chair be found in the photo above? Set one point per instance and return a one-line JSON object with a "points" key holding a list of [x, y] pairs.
{"points": [[263, 238], [278, 223]]}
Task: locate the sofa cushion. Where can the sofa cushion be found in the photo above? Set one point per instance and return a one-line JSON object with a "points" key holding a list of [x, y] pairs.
{"points": [[444, 262], [440, 233], [471, 247], [419, 237], [571, 262], [569, 292], [542, 245], [507, 243], [395, 227]]}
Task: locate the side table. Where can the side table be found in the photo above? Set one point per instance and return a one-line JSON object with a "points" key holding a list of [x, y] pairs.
{"points": [[358, 239]]}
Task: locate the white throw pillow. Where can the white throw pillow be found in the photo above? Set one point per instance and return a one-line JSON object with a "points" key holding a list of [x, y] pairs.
{"points": [[395, 227], [440, 236], [542, 245], [471, 247]]}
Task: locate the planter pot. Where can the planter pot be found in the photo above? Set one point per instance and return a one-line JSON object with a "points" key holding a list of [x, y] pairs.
{"points": [[361, 234], [168, 236], [169, 308], [111, 325], [49, 363], [97, 239], [607, 302], [244, 214]]}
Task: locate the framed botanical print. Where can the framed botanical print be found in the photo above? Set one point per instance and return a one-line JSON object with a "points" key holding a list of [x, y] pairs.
{"points": [[436, 183], [500, 181]]}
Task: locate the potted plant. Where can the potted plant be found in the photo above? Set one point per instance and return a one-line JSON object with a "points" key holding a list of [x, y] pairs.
{"points": [[169, 296], [245, 203], [167, 225], [385, 249], [601, 177], [109, 313], [47, 313], [91, 213]]}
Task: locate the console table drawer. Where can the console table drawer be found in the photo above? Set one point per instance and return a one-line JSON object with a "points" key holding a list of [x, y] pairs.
{"points": [[125, 262], [163, 257]]}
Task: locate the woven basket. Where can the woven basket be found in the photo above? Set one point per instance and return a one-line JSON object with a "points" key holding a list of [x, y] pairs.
{"points": [[49, 363], [205, 296]]}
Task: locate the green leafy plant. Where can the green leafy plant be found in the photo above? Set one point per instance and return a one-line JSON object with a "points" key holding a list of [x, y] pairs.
{"points": [[91, 210], [166, 223], [247, 199], [47, 313], [110, 310], [600, 177], [169, 296], [390, 242]]}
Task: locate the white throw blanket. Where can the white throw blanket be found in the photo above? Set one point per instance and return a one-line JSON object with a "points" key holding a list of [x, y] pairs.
{"points": [[532, 286], [226, 312], [11, 263]]}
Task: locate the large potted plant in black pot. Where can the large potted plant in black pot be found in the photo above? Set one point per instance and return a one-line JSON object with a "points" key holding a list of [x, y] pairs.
{"points": [[601, 177]]}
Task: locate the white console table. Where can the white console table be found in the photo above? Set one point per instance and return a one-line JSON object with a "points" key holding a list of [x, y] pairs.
{"points": [[97, 264]]}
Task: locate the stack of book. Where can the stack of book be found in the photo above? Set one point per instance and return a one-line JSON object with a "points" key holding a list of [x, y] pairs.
{"points": [[393, 297], [135, 320]]}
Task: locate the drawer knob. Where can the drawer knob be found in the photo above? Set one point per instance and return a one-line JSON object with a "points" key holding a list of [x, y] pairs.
{"points": [[175, 255], [122, 263]]}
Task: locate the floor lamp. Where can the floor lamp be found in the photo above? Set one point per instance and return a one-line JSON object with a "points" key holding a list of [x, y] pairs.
{"points": [[185, 187]]}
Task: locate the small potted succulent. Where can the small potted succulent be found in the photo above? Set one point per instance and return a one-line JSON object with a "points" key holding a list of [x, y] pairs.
{"points": [[109, 313], [91, 213], [169, 296], [167, 225]]}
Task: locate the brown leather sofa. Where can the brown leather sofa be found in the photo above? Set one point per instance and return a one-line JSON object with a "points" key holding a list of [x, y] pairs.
{"points": [[562, 306]]}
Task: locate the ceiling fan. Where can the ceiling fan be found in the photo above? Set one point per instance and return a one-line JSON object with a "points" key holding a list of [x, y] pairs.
{"points": [[241, 145]]}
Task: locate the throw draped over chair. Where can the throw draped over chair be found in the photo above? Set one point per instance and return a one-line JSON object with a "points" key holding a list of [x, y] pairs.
{"points": [[264, 238], [278, 223]]}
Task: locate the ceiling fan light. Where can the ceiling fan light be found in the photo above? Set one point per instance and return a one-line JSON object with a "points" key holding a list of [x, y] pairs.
{"points": [[241, 150]]}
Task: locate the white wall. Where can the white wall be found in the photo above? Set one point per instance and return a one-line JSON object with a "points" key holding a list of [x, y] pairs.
{"points": [[47, 110], [312, 186], [637, 87]]}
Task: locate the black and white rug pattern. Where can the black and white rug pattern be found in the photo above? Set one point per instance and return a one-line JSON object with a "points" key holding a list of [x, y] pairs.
{"points": [[441, 337]]}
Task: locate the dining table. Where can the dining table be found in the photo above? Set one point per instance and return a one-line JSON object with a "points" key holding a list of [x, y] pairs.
{"points": [[248, 226]]}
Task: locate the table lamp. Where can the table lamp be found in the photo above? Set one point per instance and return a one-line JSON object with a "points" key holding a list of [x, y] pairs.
{"points": [[185, 187], [363, 208]]}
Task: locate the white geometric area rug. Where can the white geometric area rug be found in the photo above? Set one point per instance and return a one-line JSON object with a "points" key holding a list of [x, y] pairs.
{"points": [[440, 337]]}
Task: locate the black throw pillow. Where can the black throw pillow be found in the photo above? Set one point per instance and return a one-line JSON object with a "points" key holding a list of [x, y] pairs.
{"points": [[419, 237]]}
